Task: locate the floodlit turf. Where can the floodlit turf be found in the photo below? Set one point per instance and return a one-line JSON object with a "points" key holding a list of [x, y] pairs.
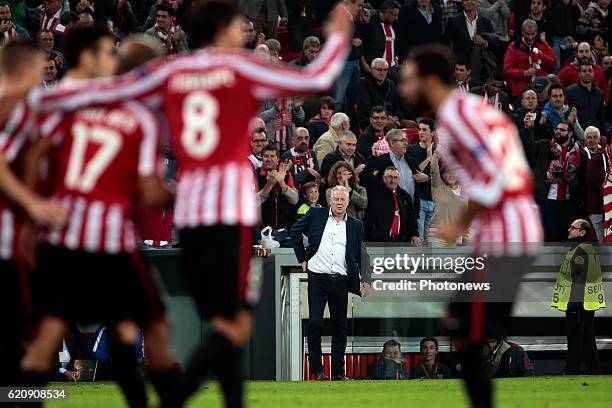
{"points": [[545, 392]]}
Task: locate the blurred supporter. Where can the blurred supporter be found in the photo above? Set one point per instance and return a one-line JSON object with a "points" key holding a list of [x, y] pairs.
{"points": [[527, 57], [85, 20], [463, 76], [587, 98], [596, 170], [265, 14], [310, 49], [171, 36], [377, 89], [69, 19], [8, 29], [281, 116], [328, 141], [345, 151], [275, 49], [319, 123], [498, 12], [259, 140], [507, 359], [569, 74], [343, 174], [557, 111], [310, 197], [372, 141], [379, 36], [263, 51], [251, 38], [429, 369], [492, 92], [391, 364], [418, 23], [46, 40], [528, 118], [304, 164], [366, 13], [49, 14], [50, 74], [600, 48]]}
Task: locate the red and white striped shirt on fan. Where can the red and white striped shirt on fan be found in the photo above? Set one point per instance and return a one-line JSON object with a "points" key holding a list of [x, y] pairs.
{"points": [[96, 159], [485, 154], [13, 138], [209, 98]]}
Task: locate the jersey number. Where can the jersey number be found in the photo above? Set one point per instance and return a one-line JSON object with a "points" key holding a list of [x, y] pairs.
{"points": [[83, 176], [200, 135]]}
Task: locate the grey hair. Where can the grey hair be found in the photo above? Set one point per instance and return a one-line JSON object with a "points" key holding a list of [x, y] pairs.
{"points": [[342, 189], [529, 23], [391, 133], [311, 42], [377, 61], [338, 119], [592, 129], [273, 44], [346, 134]]}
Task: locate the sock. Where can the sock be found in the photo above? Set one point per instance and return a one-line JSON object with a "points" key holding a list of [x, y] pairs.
{"points": [[477, 377], [164, 381], [126, 374], [229, 374]]}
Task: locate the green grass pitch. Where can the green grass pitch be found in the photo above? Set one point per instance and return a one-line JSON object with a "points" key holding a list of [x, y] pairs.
{"points": [[545, 392]]}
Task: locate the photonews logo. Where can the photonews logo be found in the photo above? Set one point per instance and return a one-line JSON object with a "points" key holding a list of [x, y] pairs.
{"points": [[412, 264]]}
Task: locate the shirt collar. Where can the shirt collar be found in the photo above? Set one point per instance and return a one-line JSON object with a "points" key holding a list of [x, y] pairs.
{"points": [[331, 215]]}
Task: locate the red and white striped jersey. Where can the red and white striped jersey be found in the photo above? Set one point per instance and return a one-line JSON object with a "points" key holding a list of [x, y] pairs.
{"points": [[485, 154], [209, 99], [97, 157]]}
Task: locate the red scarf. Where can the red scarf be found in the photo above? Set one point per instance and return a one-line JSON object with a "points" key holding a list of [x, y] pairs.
{"points": [[496, 103], [299, 164], [166, 38], [390, 38], [282, 121]]}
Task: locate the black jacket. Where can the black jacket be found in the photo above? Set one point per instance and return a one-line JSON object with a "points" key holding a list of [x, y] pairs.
{"points": [[503, 97], [374, 39], [590, 104], [335, 157], [370, 94], [365, 142], [275, 211], [413, 30], [312, 226]]}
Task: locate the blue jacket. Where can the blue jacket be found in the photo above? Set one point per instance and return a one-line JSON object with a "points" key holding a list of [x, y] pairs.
{"points": [[553, 117], [312, 225]]}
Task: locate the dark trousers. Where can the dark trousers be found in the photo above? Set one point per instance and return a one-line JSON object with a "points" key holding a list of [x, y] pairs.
{"points": [[557, 215], [322, 289], [580, 339]]}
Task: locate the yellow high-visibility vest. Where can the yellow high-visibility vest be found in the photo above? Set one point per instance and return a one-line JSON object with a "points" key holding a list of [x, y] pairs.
{"points": [[594, 298]]}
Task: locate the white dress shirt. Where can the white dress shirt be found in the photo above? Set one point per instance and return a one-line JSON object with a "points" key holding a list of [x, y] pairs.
{"points": [[330, 258], [471, 26], [406, 179]]}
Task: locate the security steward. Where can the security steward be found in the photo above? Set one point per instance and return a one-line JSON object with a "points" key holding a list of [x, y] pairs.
{"points": [[579, 293]]}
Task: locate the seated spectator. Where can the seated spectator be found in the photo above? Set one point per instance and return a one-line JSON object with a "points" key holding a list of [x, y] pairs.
{"points": [[259, 140], [310, 197], [569, 73], [507, 359], [557, 111], [492, 92], [328, 141], [46, 41], [391, 365], [343, 174], [463, 77], [372, 141], [390, 215], [282, 115], [587, 98], [86, 20], [527, 57], [344, 152], [377, 90], [275, 49], [419, 23], [429, 369], [320, 122], [8, 29], [276, 191], [74, 346], [379, 37], [528, 118], [596, 170], [310, 50], [171, 36], [50, 74], [304, 164]]}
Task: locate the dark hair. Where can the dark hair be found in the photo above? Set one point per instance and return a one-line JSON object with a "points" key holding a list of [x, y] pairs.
{"points": [[17, 53], [4, 4], [586, 227], [68, 17], [327, 101], [332, 180], [378, 109], [271, 147], [429, 122], [81, 39], [434, 59], [466, 63], [392, 343], [556, 86], [260, 130], [308, 186], [428, 338], [582, 63], [389, 5], [497, 76], [167, 8], [207, 18]]}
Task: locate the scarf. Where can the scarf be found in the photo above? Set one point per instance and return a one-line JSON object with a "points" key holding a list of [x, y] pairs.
{"points": [[381, 146], [10, 34], [496, 103], [282, 121], [49, 22], [607, 196], [564, 167], [464, 86], [299, 164], [534, 60], [166, 38]]}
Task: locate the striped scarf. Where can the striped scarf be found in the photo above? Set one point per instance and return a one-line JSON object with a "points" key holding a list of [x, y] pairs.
{"points": [[282, 123], [607, 197], [9, 35], [166, 38]]}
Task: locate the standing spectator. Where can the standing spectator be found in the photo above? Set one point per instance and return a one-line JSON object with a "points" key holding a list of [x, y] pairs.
{"points": [[536, 14], [492, 92], [265, 14], [463, 77], [50, 74], [251, 38], [528, 118], [596, 170], [391, 365], [587, 98], [343, 174], [304, 164], [101, 11], [379, 36], [377, 89], [8, 29], [507, 359], [52, 11], [319, 123], [498, 12], [569, 74], [472, 38], [300, 21], [259, 140], [557, 111], [418, 23], [328, 141], [344, 152], [281, 116], [429, 369], [527, 57], [372, 141], [171, 36], [450, 9], [310, 50], [276, 192], [390, 215], [562, 15]]}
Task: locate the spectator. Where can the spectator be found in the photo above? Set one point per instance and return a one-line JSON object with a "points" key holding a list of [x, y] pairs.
{"points": [[377, 89], [300, 21], [70, 20], [562, 15], [379, 36], [9, 30], [265, 14], [281, 116], [275, 49], [310, 197], [344, 152], [557, 111], [276, 191], [526, 58], [596, 170], [587, 98], [49, 18], [251, 38], [463, 76], [343, 174], [171, 36], [304, 164], [492, 92], [391, 365], [126, 21], [328, 141], [536, 13], [429, 369], [418, 23], [569, 74], [372, 141], [449, 204], [86, 20], [259, 140], [102, 11], [498, 12], [50, 74], [472, 38], [46, 41], [366, 13], [528, 118], [310, 50], [320, 122], [390, 215], [596, 20], [419, 158], [507, 359], [600, 48]]}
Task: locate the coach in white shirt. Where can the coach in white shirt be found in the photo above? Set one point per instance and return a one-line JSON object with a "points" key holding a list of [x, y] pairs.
{"points": [[332, 260]]}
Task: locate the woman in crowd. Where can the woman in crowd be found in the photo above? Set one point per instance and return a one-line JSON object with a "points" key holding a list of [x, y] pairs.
{"points": [[343, 174], [319, 124]]}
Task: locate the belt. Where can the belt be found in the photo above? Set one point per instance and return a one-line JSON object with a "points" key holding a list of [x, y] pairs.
{"points": [[327, 275]]}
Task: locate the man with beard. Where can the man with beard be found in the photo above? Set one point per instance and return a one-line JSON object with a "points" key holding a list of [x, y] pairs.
{"points": [[557, 111], [304, 164], [569, 73], [579, 293], [483, 151]]}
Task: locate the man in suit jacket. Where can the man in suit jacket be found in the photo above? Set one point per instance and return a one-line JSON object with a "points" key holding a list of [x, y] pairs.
{"points": [[419, 23], [333, 262], [375, 38], [265, 21]]}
